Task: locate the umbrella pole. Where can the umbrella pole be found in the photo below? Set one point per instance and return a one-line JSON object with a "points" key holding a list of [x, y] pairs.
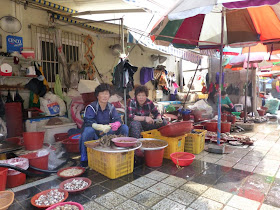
{"points": [[123, 52], [246, 87], [220, 78]]}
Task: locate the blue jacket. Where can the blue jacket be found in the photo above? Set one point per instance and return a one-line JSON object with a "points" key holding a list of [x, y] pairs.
{"points": [[94, 114]]}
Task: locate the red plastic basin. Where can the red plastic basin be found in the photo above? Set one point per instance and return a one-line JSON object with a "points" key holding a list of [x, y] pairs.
{"points": [[154, 158], [211, 126], [68, 177], [33, 140], [16, 180], [64, 203], [261, 112], [176, 129], [35, 197], [61, 185], [124, 141], [37, 162], [71, 145], [60, 136], [182, 158], [3, 178], [225, 127]]}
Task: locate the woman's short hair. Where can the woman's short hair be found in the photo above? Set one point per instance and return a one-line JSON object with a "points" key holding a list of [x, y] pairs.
{"points": [[223, 93], [141, 89], [101, 88]]}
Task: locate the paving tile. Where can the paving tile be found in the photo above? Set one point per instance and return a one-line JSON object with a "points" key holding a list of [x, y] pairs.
{"points": [[229, 208], [95, 191], [26, 204], [78, 198], [244, 167], [157, 175], [209, 159], [96, 179], [174, 181], [147, 198], [203, 203], [129, 204], [273, 197], [112, 184], [270, 163], [207, 179], [93, 205], [268, 207], [194, 188], [110, 200], [225, 163], [182, 197], [188, 173], [167, 204], [231, 159], [217, 195], [272, 157], [278, 175], [27, 193], [49, 185], [162, 189], [142, 170], [229, 184], [169, 169], [257, 153], [130, 177], [249, 161], [129, 190], [243, 203], [15, 206], [213, 155], [265, 171], [239, 173], [144, 182]]}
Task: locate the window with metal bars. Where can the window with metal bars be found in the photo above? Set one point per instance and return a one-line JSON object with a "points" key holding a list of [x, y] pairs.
{"points": [[50, 61]]}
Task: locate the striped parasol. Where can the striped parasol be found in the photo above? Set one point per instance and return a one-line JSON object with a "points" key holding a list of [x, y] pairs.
{"points": [[241, 25]]}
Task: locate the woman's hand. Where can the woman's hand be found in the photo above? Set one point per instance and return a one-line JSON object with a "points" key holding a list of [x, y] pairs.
{"points": [[225, 105], [149, 120]]}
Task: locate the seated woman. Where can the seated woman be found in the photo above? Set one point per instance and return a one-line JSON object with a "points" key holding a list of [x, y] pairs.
{"points": [[226, 103], [139, 110], [100, 118]]}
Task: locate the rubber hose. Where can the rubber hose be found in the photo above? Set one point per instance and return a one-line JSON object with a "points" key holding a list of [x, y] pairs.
{"points": [[4, 165]]}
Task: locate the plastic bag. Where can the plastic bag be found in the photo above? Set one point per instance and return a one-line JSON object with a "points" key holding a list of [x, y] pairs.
{"points": [[202, 105], [18, 162], [54, 157], [272, 105], [88, 86], [52, 105]]}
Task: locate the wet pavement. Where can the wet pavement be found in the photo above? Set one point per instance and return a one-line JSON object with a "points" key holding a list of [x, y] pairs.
{"points": [[246, 178]]}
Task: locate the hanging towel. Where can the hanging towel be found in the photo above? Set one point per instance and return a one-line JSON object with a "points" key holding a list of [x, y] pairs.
{"points": [[146, 74], [58, 87]]}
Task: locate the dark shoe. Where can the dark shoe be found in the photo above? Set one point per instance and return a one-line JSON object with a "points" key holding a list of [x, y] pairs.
{"points": [[84, 164]]}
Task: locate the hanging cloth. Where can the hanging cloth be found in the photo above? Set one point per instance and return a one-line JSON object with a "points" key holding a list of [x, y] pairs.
{"points": [[146, 74], [123, 76], [58, 87], [39, 71], [32, 97]]}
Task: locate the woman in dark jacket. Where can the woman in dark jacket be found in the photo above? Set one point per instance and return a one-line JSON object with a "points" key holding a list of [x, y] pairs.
{"points": [[142, 113]]}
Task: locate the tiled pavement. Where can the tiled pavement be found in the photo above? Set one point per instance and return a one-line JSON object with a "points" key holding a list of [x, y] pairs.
{"points": [[246, 178]]}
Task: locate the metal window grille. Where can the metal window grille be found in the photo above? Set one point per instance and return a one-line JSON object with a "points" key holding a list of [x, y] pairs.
{"points": [[47, 55]]}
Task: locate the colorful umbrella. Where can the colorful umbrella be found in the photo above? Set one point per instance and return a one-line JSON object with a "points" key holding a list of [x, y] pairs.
{"points": [[253, 24]]}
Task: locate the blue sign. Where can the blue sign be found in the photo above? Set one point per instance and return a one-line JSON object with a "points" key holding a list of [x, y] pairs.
{"points": [[14, 43]]}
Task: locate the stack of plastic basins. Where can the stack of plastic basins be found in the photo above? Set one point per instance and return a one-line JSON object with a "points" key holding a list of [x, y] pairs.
{"points": [[14, 119]]}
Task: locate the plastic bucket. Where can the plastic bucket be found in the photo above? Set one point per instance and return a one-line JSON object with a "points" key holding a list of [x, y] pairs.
{"points": [[225, 127], [71, 145], [211, 126], [40, 162], [16, 180], [33, 140], [60, 136], [261, 112], [154, 158], [3, 178]]}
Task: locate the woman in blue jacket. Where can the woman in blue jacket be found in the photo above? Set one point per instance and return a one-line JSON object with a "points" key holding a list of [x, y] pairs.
{"points": [[100, 118]]}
